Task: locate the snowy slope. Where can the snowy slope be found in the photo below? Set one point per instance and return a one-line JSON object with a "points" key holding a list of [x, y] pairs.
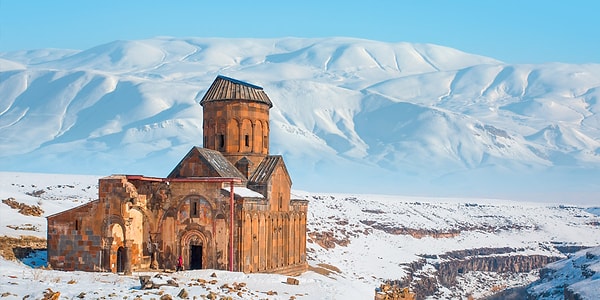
{"points": [[356, 242], [576, 276], [349, 115]]}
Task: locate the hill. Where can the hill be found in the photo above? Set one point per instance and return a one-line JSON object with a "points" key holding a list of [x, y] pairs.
{"points": [[350, 115]]}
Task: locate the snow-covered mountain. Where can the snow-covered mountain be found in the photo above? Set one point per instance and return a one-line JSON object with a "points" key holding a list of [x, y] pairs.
{"points": [[349, 115], [442, 248]]}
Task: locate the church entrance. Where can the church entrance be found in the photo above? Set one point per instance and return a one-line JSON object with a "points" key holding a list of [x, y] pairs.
{"points": [[195, 257]]}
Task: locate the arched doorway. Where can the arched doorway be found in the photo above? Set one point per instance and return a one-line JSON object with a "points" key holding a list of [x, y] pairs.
{"points": [[194, 249], [120, 260]]}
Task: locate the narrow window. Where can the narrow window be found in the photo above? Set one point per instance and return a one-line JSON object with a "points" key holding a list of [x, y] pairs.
{"points": [[221, 141], [280, 202], [194, 209], [247, 140], [77, 224], [266, 142], [205, 141]]}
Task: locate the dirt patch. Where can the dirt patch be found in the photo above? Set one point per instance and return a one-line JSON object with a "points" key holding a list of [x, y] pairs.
{"points": [[12, 248], [324, 269]]}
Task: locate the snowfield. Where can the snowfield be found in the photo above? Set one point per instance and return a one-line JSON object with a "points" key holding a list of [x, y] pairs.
{"points": [[356, 241], [349, 115]]}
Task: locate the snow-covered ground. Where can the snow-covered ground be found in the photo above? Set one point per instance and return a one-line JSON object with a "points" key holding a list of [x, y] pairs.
{"points": [[356, 242]]}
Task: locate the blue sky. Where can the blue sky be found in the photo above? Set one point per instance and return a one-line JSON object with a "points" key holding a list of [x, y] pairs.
{"points": [[514, 31]]}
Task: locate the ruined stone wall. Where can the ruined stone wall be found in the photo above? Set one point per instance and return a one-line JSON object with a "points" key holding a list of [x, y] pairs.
{"points": [[75, 239]]}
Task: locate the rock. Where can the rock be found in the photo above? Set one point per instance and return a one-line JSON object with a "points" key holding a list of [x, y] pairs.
{"points": [[172, 282], [292, 281], [49, 294], [213, 275], [183, 294], [166, 297], [24, 209], [145, 282]]}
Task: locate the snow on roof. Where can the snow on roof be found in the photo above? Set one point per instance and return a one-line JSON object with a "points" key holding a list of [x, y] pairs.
{"points": [[245, 192]]}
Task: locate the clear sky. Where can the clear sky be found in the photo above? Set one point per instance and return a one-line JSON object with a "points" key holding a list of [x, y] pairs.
{"points": [[514, 31]]}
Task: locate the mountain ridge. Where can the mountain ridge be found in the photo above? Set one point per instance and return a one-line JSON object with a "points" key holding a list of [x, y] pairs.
{"points": [[349, 114]]}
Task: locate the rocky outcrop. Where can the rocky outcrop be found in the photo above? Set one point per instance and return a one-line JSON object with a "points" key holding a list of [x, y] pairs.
{"points": [[389, 291], [17, 248], [327, 239], [448, 266], [449, 270], [439, 233], [24, 209]]}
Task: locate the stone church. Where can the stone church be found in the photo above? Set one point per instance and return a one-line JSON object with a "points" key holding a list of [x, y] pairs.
{"points": [[225, 206]]}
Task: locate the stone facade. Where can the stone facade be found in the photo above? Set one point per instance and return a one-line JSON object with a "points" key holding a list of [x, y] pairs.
{"points": [[225, 206]]}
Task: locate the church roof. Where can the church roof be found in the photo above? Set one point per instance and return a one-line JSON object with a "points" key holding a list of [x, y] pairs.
{"points": [[225, 88], [218, 165], [267, 167]]}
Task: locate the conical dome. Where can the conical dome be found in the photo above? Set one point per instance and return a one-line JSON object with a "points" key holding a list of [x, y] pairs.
{"points": [[226, 89]]}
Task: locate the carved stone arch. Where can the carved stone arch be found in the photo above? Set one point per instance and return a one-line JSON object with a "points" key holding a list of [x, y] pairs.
{"points": [[233, 134], [246, 135], [255, 244], [262, 237], [221, 134], [109, 221], [265, 137], [194, 247], [114, 254], [295, 242], [196, 228], [258, 137], [171, 212], [269, 240], [139, 229], [302, 233], [147, 216]]}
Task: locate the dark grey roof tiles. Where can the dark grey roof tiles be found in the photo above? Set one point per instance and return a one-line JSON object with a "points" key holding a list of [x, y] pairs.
{"points": [[219, 163], [225, 88], [266, 168], [215, 161]]}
